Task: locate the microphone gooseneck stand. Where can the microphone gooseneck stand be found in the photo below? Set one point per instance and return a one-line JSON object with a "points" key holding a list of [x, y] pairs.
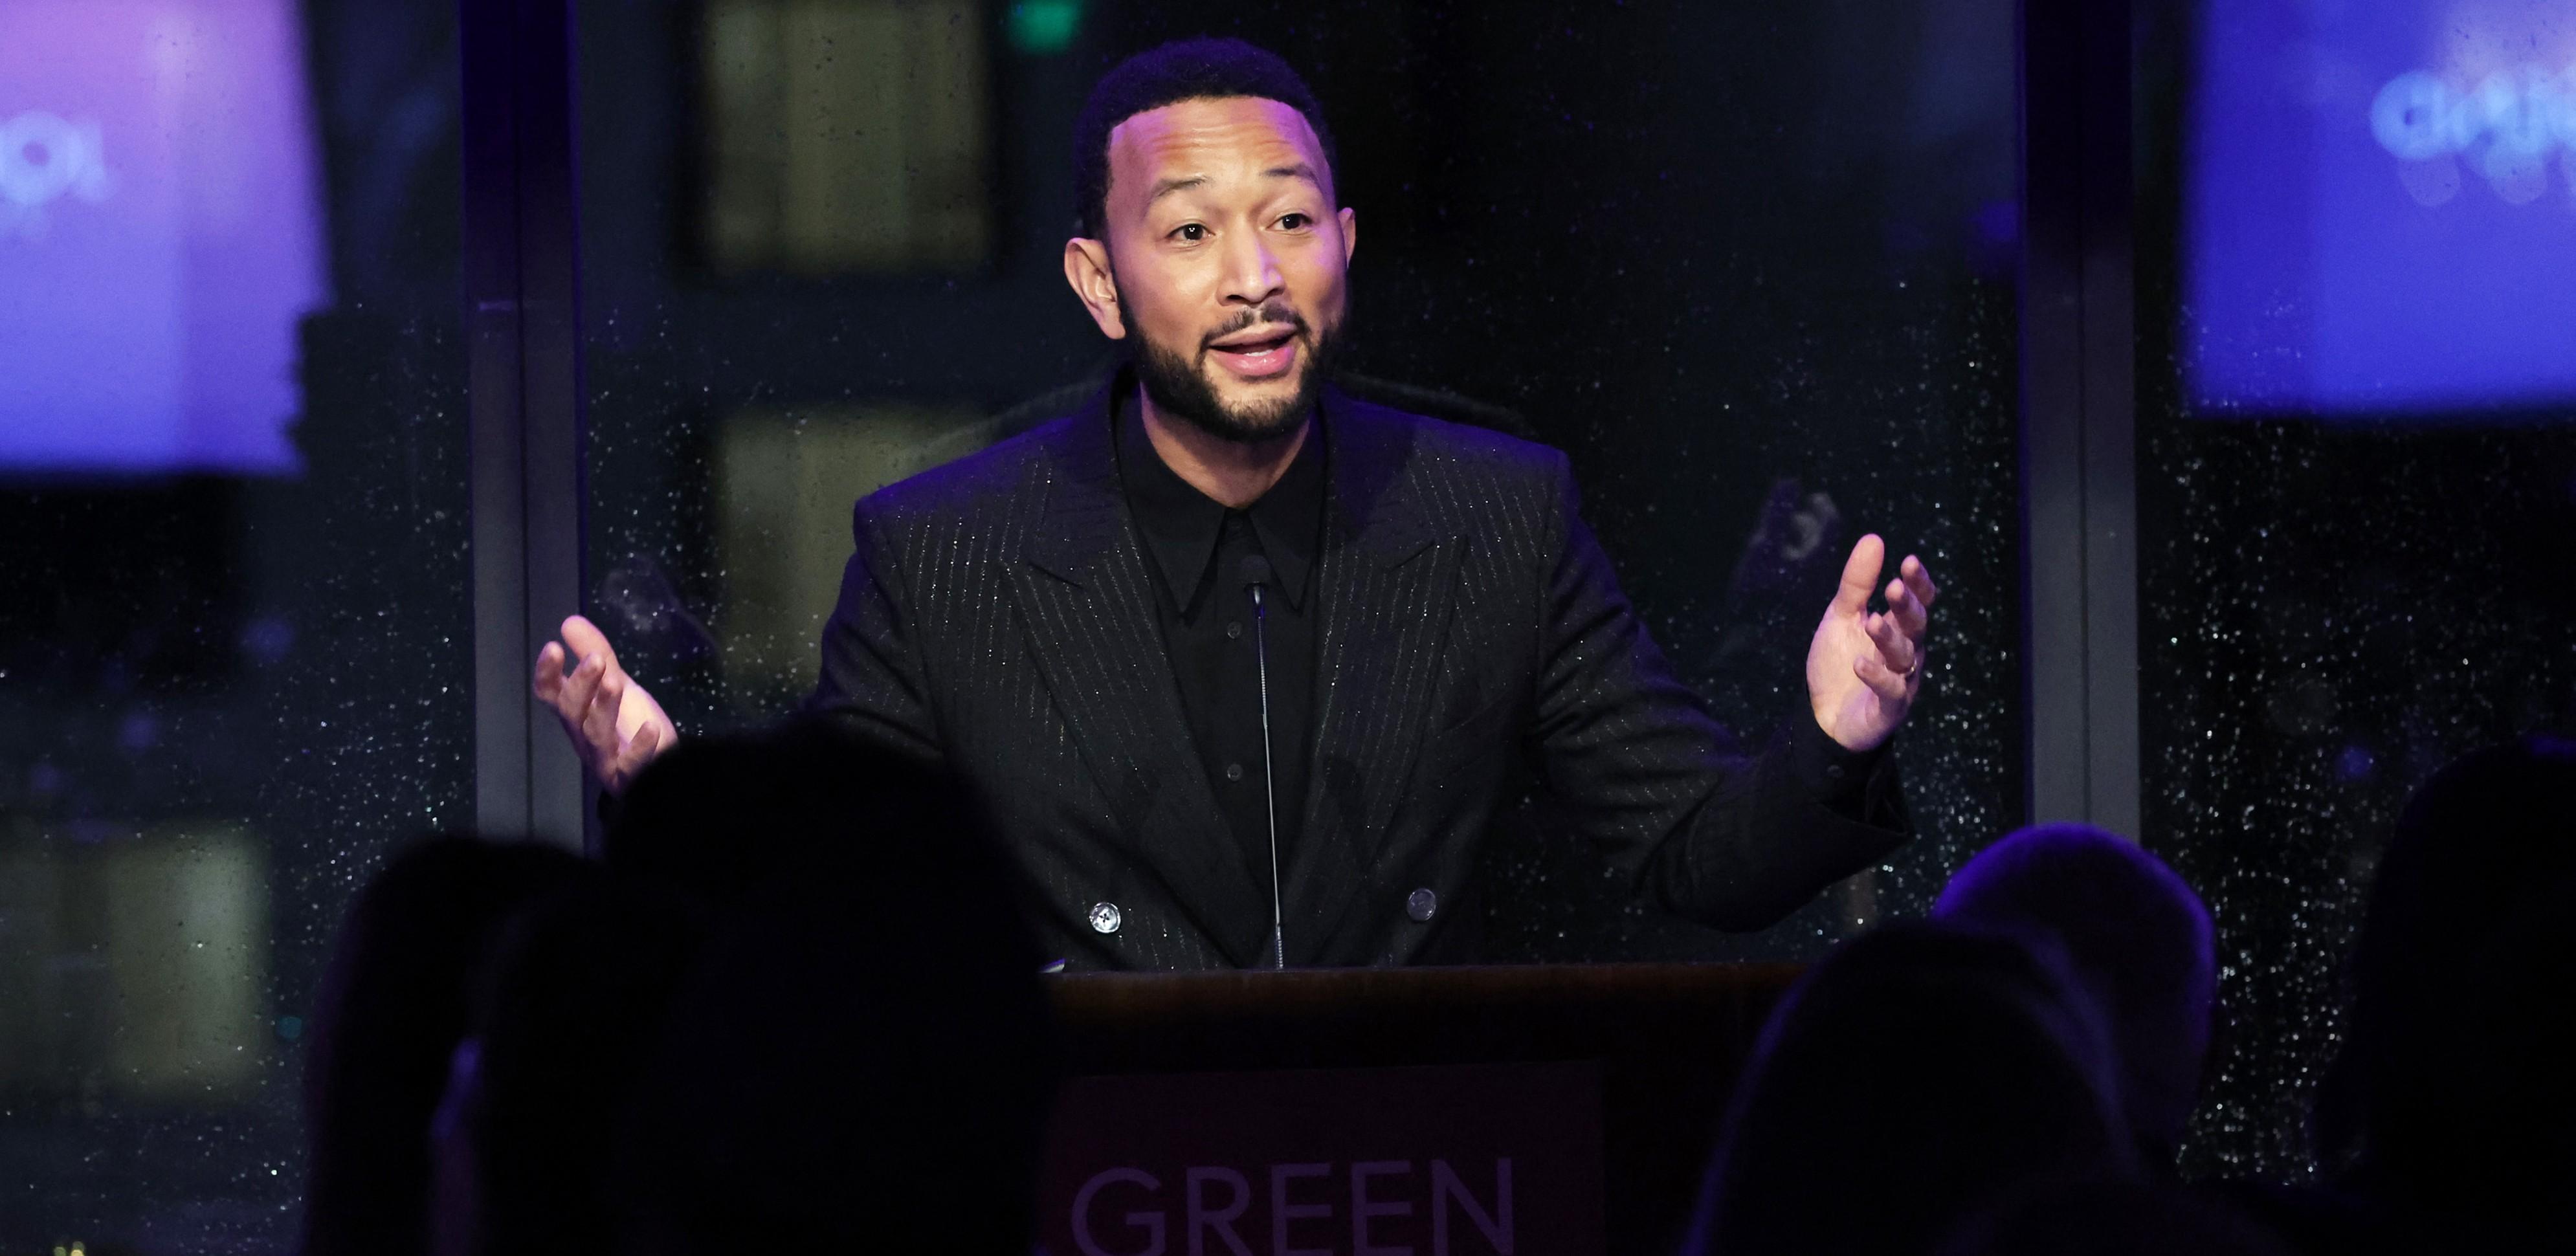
{"points": [[1256, 576]]}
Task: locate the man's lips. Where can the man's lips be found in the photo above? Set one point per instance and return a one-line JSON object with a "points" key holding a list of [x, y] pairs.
{"points": [[1260, 356]]}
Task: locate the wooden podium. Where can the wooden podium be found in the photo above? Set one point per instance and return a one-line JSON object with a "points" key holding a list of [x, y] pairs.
{"points": [[1559, 1110]]}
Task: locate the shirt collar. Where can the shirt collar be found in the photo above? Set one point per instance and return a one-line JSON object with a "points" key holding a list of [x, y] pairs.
{"points": [[1181, 525]]}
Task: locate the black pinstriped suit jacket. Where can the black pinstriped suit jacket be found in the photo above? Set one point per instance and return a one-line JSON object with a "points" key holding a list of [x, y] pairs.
{"points": [[996, 618]]}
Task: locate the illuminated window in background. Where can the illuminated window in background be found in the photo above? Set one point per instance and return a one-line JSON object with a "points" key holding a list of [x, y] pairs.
{"points": [[141, 962], [2382, 216], [160, 234], [784, 483], [847, 135]]}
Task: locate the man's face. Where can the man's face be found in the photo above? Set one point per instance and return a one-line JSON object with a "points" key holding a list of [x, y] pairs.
{"points": [[1226, 257]]}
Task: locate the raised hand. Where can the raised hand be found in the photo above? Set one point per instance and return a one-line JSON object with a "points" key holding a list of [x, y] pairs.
{"points": [[615, 726], [1865, 667]]}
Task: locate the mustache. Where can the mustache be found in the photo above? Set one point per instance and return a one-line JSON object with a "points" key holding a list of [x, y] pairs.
{"points": [[1279, 312]]}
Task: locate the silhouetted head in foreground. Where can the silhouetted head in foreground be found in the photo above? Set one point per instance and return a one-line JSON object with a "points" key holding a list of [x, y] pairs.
{"points": [[2110, 1219], [1915, 1074], [807, 807], [2453, 1099], [2139, 939], [575, 1000], [862, 1058], [395, 1001]]}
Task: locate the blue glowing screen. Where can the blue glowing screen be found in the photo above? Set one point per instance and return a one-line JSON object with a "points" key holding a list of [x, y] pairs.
{"points": [[160, 234], [2381, 207]]}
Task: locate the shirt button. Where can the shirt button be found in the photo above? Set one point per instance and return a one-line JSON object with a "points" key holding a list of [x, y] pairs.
{"points": [[1234, 771], [1833, 771], [1421, 903], [1104, 917], [1234, 630]]}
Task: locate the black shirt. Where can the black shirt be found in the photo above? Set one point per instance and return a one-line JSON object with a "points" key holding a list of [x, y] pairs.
{"points": [[1196, 548]]}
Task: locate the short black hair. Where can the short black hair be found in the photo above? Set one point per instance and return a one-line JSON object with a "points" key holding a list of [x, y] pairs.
{"points": [[1185, 69]]}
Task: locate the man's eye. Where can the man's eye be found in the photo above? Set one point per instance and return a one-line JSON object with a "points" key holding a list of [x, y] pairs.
{"points": [[1190, 231], [1294, 221]]}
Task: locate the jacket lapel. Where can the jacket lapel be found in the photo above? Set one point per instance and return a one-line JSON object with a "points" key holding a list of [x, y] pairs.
{"points": [[1085, 600], [1387, 581]]}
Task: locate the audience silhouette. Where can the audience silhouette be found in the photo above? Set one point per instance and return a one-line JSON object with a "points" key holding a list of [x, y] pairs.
{"points": [[576, 998], [2140, 941], [863, 1058], [2055, 1218], [2452, 1106], [795, 1006], [394, 1003], [1915, 1073]]}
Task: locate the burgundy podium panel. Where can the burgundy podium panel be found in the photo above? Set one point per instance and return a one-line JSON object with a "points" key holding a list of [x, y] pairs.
{"points": [[1443, 1160], [1392, 1097]]}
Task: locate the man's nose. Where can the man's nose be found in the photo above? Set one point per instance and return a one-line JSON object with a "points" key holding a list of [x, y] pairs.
{"points": [[1251, 271]]}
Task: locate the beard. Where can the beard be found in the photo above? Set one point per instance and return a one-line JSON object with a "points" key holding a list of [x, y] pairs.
{"points": [[1179, 386]]}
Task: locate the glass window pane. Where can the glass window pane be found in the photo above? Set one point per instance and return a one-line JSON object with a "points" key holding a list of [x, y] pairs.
{"points": [[1750, 266], [2357, 475], [234, 662]]}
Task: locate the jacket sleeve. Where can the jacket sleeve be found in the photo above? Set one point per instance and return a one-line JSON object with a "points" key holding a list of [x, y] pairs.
{"points": [[1710, 832], [872, 681]]}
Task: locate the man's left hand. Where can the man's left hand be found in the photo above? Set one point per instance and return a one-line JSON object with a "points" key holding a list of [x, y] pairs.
{"points": [[1865, 667]]}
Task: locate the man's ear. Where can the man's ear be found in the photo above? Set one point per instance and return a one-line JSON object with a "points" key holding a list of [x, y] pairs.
{"points": [[1086, 270], [1350, 233]]}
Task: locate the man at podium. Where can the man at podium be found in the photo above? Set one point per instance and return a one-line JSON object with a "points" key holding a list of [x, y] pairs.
{"points": [[1240, 667]]}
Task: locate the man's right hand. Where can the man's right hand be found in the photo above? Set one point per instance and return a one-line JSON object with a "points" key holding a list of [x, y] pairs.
{"points": [[615, 726]]}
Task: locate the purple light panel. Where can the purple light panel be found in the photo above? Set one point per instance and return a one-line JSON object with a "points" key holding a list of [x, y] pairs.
{"points": [[2381, 213], [159, 234]]}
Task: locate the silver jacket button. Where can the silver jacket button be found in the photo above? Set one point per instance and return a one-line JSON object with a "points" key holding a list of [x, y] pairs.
{"points": [[1421, 903], [1104, 917]]}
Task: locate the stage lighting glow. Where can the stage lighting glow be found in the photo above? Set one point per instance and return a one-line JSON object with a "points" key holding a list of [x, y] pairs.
{"points": [[2381, 208], [160, 234]]}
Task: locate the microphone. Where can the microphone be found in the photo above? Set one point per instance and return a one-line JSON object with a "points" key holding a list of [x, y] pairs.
{"points": [[1254, 572]]}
